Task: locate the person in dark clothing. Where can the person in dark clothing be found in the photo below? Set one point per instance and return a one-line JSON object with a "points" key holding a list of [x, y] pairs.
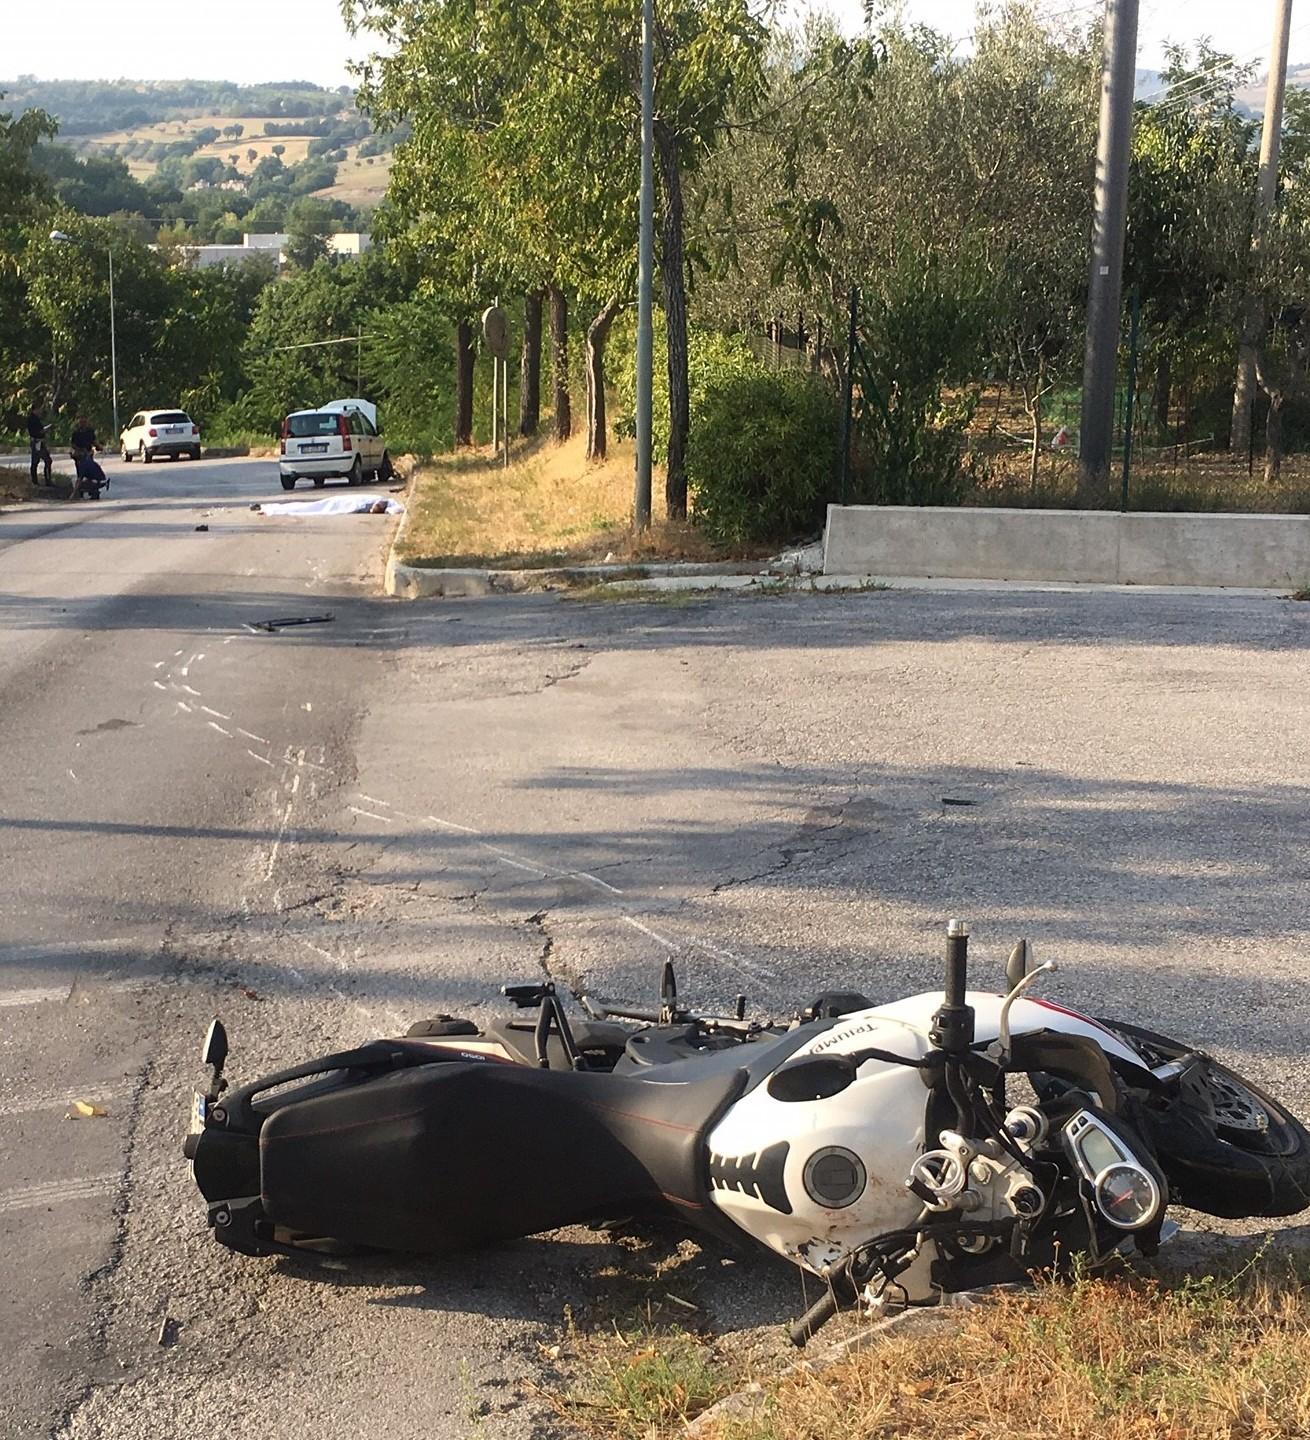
{"points": [[40, 450], [82, 446]]}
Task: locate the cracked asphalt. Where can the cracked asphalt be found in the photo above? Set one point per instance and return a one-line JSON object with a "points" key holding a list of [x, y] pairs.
{"points": [[328, 833]]}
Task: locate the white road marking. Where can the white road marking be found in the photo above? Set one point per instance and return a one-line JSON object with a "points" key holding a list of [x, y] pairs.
{"points": [[182, 705], [450, 825], [646, 930], [368, 814], [73, 773], [250, 735], [214, 725], [596, 880], [217, 714], [158, 686], [57, 1192], [194, 693], [263, 759]]}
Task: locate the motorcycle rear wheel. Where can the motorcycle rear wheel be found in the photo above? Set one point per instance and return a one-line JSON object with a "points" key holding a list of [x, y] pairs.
{"points": [[1244, 1155]]}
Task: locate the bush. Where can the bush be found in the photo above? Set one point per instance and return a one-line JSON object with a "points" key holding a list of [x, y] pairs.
{"points": [[761, 454]]}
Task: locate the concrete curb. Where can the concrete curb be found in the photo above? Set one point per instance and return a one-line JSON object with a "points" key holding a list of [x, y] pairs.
{"points": [[746, 1403], [415, 582]]}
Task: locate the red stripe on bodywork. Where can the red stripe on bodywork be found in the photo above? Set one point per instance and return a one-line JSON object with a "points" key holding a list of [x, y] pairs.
{"points": [[1076, 1015]]}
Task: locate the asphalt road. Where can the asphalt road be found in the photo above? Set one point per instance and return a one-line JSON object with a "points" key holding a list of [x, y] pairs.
{"points": [[325, 833]]}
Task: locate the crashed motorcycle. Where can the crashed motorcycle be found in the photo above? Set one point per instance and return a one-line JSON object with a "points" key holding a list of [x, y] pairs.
{"points": [[899, 1152]]}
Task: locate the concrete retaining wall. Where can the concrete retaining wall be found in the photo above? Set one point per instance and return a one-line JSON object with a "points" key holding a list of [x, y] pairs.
{"points": [[1092, 546]]}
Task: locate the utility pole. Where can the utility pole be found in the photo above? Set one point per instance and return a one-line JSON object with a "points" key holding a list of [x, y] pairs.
{"points": [[1105, 290], [1266, 195], [645, 268]]}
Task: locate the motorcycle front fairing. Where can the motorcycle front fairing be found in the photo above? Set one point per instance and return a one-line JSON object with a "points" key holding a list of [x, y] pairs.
{"points": [[777, 1167]]}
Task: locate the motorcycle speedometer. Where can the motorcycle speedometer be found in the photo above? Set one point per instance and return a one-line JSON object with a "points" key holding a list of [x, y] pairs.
{"points": [[1126, 1196]]}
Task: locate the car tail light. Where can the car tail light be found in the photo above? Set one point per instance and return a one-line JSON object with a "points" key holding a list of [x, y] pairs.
{"points": [[344, 431], [154, 434], [195, 429], [286, 428], [283, 446]]}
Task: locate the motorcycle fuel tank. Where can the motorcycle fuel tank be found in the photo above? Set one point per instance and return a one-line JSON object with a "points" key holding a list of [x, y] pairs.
{"points": [[813, 1178]]}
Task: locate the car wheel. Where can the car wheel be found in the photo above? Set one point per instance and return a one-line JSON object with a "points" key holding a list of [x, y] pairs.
{"points": [[146, 457], [127, 456], [194, 452], [386, 470], [356, 476], [319, 482], [288, 482]]}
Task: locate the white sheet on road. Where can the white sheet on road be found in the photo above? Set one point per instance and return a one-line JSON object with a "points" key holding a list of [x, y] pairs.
{"points": [[334, 505]]}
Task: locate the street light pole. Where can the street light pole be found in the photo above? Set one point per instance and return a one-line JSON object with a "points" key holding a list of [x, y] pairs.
{"points": [[113, 347], [645, 266]]}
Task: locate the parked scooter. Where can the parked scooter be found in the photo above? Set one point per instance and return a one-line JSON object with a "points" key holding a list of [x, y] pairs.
{"points": [[900, 1152]]}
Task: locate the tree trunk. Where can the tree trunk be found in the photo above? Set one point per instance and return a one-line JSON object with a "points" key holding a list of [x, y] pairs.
{"points": [[464, 383], [1163, 393], [1274, 438], [673, 273], [559, 362], [597, 334], [1035, 411], [530, 369]]}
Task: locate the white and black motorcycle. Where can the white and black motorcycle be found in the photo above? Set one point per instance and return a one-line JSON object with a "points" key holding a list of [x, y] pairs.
{"points": [[899, 1152]]}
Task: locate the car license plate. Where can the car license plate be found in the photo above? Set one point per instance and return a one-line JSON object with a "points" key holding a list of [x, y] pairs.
{"points": [[199, 1108], [172, 429], [319, 449]]}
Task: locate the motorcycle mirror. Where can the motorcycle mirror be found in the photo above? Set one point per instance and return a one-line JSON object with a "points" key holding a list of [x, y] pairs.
{"points": [[1022, 961], [815, 1077], [214, 1050]]}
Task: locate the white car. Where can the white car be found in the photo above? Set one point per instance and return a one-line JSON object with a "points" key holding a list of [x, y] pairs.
{"points": [[340, 439], [160, 432]]}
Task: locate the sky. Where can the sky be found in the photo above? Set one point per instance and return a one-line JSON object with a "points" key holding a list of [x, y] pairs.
{"points": [[251, 40]]}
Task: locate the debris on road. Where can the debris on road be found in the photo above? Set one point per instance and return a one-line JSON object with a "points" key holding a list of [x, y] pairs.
{"points": [[269, 626], [89, 1109], [202, 527]]}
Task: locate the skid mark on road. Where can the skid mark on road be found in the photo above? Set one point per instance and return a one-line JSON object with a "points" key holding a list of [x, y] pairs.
{"points": [[39, 1100], [58, 1192], [285, 801]]}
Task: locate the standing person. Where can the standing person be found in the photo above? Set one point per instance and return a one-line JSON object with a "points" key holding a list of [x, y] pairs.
{"points": [[82, 447], [37, 440]]}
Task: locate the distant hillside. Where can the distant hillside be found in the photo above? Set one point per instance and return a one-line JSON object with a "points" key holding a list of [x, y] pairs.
{"points": [[93, 107], [228, 128], [1252, 97]]}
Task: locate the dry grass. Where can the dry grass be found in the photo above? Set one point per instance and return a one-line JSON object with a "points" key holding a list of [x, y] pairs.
{"points": [[16, 485], [358, 182], [549, 507], [1105, 1359]]}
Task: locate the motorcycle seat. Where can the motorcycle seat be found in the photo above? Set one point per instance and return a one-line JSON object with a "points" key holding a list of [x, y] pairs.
{"points": [[440, 1156]]}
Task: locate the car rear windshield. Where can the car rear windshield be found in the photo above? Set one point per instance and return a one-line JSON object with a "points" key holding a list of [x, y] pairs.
{"points": [[312, 424], [170, 417]]}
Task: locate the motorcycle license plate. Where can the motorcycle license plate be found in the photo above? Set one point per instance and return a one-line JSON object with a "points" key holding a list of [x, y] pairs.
{"points": [[199, 1109], [314, 449]]}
